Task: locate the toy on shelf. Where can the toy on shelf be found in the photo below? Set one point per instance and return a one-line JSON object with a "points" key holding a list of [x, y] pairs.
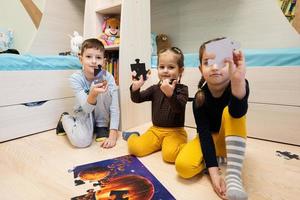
{"points": [[162, 42], [76, 41], [110, 32], [6, 39]]}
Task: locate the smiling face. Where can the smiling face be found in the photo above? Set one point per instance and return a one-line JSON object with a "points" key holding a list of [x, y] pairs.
{"points": [[168, 67], [112, 27], [90, 59]]}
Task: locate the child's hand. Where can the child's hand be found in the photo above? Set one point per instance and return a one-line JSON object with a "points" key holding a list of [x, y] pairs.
{"points": [[237, 69], [137, 84], [217, 182], [98, 88], [95, 90], [111, 140], [237, 72], [168, 88]]}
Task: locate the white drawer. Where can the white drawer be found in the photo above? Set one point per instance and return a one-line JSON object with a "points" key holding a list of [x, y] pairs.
{"points": [[20, 120], [29, 86], [269, 122], [274, 122], [275, 85]]}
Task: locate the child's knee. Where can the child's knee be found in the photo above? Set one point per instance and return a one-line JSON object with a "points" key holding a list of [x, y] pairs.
{"points": [[136, 148], [80, 140], [169, 155], [186, 169], [81, 143]]}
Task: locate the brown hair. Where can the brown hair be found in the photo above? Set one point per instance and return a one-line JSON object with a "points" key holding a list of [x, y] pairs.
{"points": [[178, 53], [92, 43], [200, 96]]}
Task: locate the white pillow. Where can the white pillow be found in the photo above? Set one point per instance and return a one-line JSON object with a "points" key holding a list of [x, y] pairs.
{"points": [[6, 39]]}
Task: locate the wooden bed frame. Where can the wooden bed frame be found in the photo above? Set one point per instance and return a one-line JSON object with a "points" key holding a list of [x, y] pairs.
{"points": [[32, 101]]}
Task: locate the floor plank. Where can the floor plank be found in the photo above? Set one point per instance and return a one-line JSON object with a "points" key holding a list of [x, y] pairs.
{"points": [[36, 167]]}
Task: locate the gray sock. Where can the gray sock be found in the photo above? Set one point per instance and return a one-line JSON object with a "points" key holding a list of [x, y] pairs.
{"points": [[235, 147], [127, 134]]}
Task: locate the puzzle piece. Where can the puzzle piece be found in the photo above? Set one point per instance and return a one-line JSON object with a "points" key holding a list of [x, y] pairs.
{"points": [[99, 75], [287, 155], [140, 69], [222, 49]]}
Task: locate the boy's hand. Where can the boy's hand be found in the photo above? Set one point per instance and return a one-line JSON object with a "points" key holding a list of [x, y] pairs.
{"points": [[217, 182], [99, 88], [168, 88], [137, 84], [96, 89], [111, 140]]}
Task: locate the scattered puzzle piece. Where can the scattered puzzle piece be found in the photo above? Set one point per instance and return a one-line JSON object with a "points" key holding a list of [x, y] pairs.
{"points": [[287, 155]]}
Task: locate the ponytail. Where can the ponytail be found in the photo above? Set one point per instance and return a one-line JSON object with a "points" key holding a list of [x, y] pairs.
{"points": [[200, 96]]}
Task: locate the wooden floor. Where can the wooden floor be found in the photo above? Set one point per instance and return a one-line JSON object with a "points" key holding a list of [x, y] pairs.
{"points": [[36, 167]]}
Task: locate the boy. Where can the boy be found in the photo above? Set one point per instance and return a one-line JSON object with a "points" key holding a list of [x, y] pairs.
{"points": [[96, 108]]}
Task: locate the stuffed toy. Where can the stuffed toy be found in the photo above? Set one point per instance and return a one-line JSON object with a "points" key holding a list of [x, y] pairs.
{"points": [[76, 41], [110, 32], [6, 39], [162, 42]]}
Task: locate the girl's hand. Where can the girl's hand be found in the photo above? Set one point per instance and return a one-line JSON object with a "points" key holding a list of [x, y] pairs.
{"points": [[237, 68], [111, 140], [217, 182], [137, 84], [237, 72], [168, 88]]}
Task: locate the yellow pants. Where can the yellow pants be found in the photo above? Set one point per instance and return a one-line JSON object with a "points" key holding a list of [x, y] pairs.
{"points": [[169, 140], [189, 161]]}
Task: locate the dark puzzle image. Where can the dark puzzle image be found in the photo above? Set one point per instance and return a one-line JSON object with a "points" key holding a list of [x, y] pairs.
{"points": [[117, 179]]}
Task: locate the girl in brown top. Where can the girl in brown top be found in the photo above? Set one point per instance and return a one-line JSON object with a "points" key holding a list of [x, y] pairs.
{"points": [[169, 99]]}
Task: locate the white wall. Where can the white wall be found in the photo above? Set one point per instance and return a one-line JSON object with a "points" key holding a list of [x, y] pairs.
{"points": [[60, 18], [255, 23], [274, 91], [13, 16]]}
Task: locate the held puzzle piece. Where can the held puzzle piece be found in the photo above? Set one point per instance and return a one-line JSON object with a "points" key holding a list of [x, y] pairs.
{"points": [[222, 49], [119, 178], [99, 75], [140, 69]]}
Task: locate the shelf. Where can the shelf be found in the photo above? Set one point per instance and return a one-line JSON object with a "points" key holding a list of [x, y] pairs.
{"points": [[110, 9], [112, 47]]}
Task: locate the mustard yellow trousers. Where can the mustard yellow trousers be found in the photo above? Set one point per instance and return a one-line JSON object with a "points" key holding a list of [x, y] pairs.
{"points": [[189, 161], [168, 140]]}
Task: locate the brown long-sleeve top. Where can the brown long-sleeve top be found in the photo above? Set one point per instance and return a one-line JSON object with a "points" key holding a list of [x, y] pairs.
{"points": [[166, 111]]}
